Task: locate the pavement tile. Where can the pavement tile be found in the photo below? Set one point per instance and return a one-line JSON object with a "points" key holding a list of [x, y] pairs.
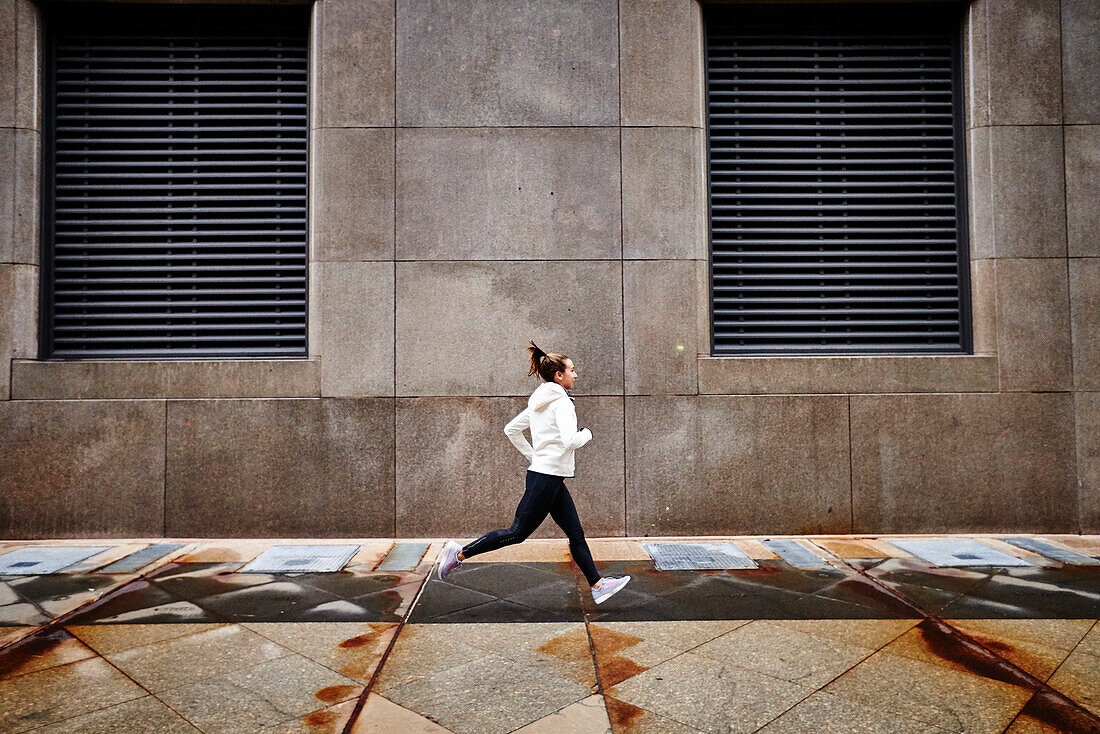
{"points": [[226, 552], [822, 712], [1032, 593], [587, 716], [146, 715], [8, 595], [59, 594], [353, 649], [786, 653], [23, 615], [422, 650], [849, 548], [62, 692], [678, 635], [382, 716], [1090, 546], [330, 720], [627, 718], [540, 550], [870, 633], [949, 699], [40, 651], [1036, 645], [1025, 724], [1091, 642], [1079, 679], [617, 550], [182, 660], [9, 635], [559, 648], [106, 639], [140, 601], [370, 554], [265, 695], [755, 550], [620, 655], [710, 695], [508, 695]]}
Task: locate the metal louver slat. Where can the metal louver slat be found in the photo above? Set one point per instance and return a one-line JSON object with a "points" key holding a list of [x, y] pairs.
{"points": [[836, 179], [176, 191]]}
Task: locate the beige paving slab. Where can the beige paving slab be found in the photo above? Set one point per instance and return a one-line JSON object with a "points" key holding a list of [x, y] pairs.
{"points": [[887, 549], [617, 550], [22, 614], [41, 651], [684, 689], [250, 699], [755, 550], [353, 649], [625, 649], [1091, 642], [587, 716], [627, 718], [62, 692], [422, 650], [508, 695], [931, 693], [1089, 545], [1015, 551], [371, 554], [330, 720], [786, 653], [382, 716], [539, 550], [559, 648], [822, 712], [171, 663], [106, 639], [227, 551], [1036, 645], [9, 635], [1079, 679], [146, 715], [112, 554], [870, 633], [849, 548], [1025, 724], [679, 635]]}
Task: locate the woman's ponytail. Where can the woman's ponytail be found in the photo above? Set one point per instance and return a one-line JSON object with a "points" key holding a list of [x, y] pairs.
{"points": [[543, 364]]}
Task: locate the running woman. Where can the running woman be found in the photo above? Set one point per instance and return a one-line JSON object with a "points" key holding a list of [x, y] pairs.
{"points": [[552, 421]]}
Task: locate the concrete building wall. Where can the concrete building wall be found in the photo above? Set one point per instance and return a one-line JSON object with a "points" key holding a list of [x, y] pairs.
{"points": [[492, 172]]}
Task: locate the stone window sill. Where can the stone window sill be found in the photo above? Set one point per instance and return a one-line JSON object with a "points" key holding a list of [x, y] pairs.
{"points": [[119, 380], [810, 374]]}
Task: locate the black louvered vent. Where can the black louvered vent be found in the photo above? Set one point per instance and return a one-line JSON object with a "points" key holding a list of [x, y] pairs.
{"points": [[837, 203], [176, 182]]}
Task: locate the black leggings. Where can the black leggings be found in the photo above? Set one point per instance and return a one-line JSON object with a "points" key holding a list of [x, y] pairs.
{"points": [[545, 494]]}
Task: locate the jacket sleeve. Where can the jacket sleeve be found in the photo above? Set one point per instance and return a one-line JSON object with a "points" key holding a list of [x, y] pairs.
{"points": [[514, 431], [566, 416]]}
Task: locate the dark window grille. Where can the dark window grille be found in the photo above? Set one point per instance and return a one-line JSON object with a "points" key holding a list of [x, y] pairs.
{"points": [[837, 194], [175, 182]]}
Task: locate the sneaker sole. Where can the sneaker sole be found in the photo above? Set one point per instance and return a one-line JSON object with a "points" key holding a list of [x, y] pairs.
{"points": [[613, 593]]}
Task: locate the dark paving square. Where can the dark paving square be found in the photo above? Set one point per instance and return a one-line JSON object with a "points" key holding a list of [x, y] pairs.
{"points": [[142, 603], [532, 592], [40, 589]]}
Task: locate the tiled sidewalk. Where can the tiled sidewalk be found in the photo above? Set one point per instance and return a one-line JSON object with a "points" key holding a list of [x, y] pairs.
{"points": [[875, 641]]}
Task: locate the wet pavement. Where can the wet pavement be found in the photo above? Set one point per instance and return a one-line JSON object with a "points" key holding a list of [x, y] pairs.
{"points": [[875, 639]]}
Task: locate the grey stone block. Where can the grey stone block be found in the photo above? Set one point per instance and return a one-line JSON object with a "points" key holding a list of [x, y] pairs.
{"points": [[19, 193], [1028, 192], [81, 469], [1017, 450], [318, 468], [660, 310], [457, 473], [1087, 409], [744, 464], [122, 379], [1025, 64], [1083, 188], [661, 47], [353, 215], [489, 194], [983, 306], [462, 327], [981, 193], [18, 319], [1084, 291], [507, 62], [353, 58], [664, 193], [357, 329], [1033, 327], [20, 61], [1081, 60], [976, 71], [850, 374]]}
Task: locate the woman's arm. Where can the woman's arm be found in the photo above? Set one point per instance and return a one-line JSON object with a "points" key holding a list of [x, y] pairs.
{"points": [[514, 431], [566, 416]]}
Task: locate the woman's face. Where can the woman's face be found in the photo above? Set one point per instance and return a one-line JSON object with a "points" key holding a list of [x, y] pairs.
{"points": [[567, 378]]}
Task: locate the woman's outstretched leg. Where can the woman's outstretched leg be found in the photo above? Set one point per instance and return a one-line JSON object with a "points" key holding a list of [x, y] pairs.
{"points": [[564, 513]]}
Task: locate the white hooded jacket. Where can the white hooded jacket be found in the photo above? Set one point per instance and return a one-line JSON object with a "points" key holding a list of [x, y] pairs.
{"points": [[552, 419]]}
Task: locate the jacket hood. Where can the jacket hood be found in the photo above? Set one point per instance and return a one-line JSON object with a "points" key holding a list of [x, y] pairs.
{"points": [[545, 394]]}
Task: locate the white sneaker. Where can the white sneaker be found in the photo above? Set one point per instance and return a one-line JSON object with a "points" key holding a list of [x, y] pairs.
{"points": [[448, 558], [608, 588]]}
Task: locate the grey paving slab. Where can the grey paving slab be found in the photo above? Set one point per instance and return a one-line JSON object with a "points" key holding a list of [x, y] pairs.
{"points": [[1052, 551], [957, 552], [142, 558], [37, 561], [795, 554], [302, 558], [693, 556], [403, 557]]}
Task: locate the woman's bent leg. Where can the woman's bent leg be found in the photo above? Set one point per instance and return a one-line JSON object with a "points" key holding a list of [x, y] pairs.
{"points": [[532, 510], [564, 513]]}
